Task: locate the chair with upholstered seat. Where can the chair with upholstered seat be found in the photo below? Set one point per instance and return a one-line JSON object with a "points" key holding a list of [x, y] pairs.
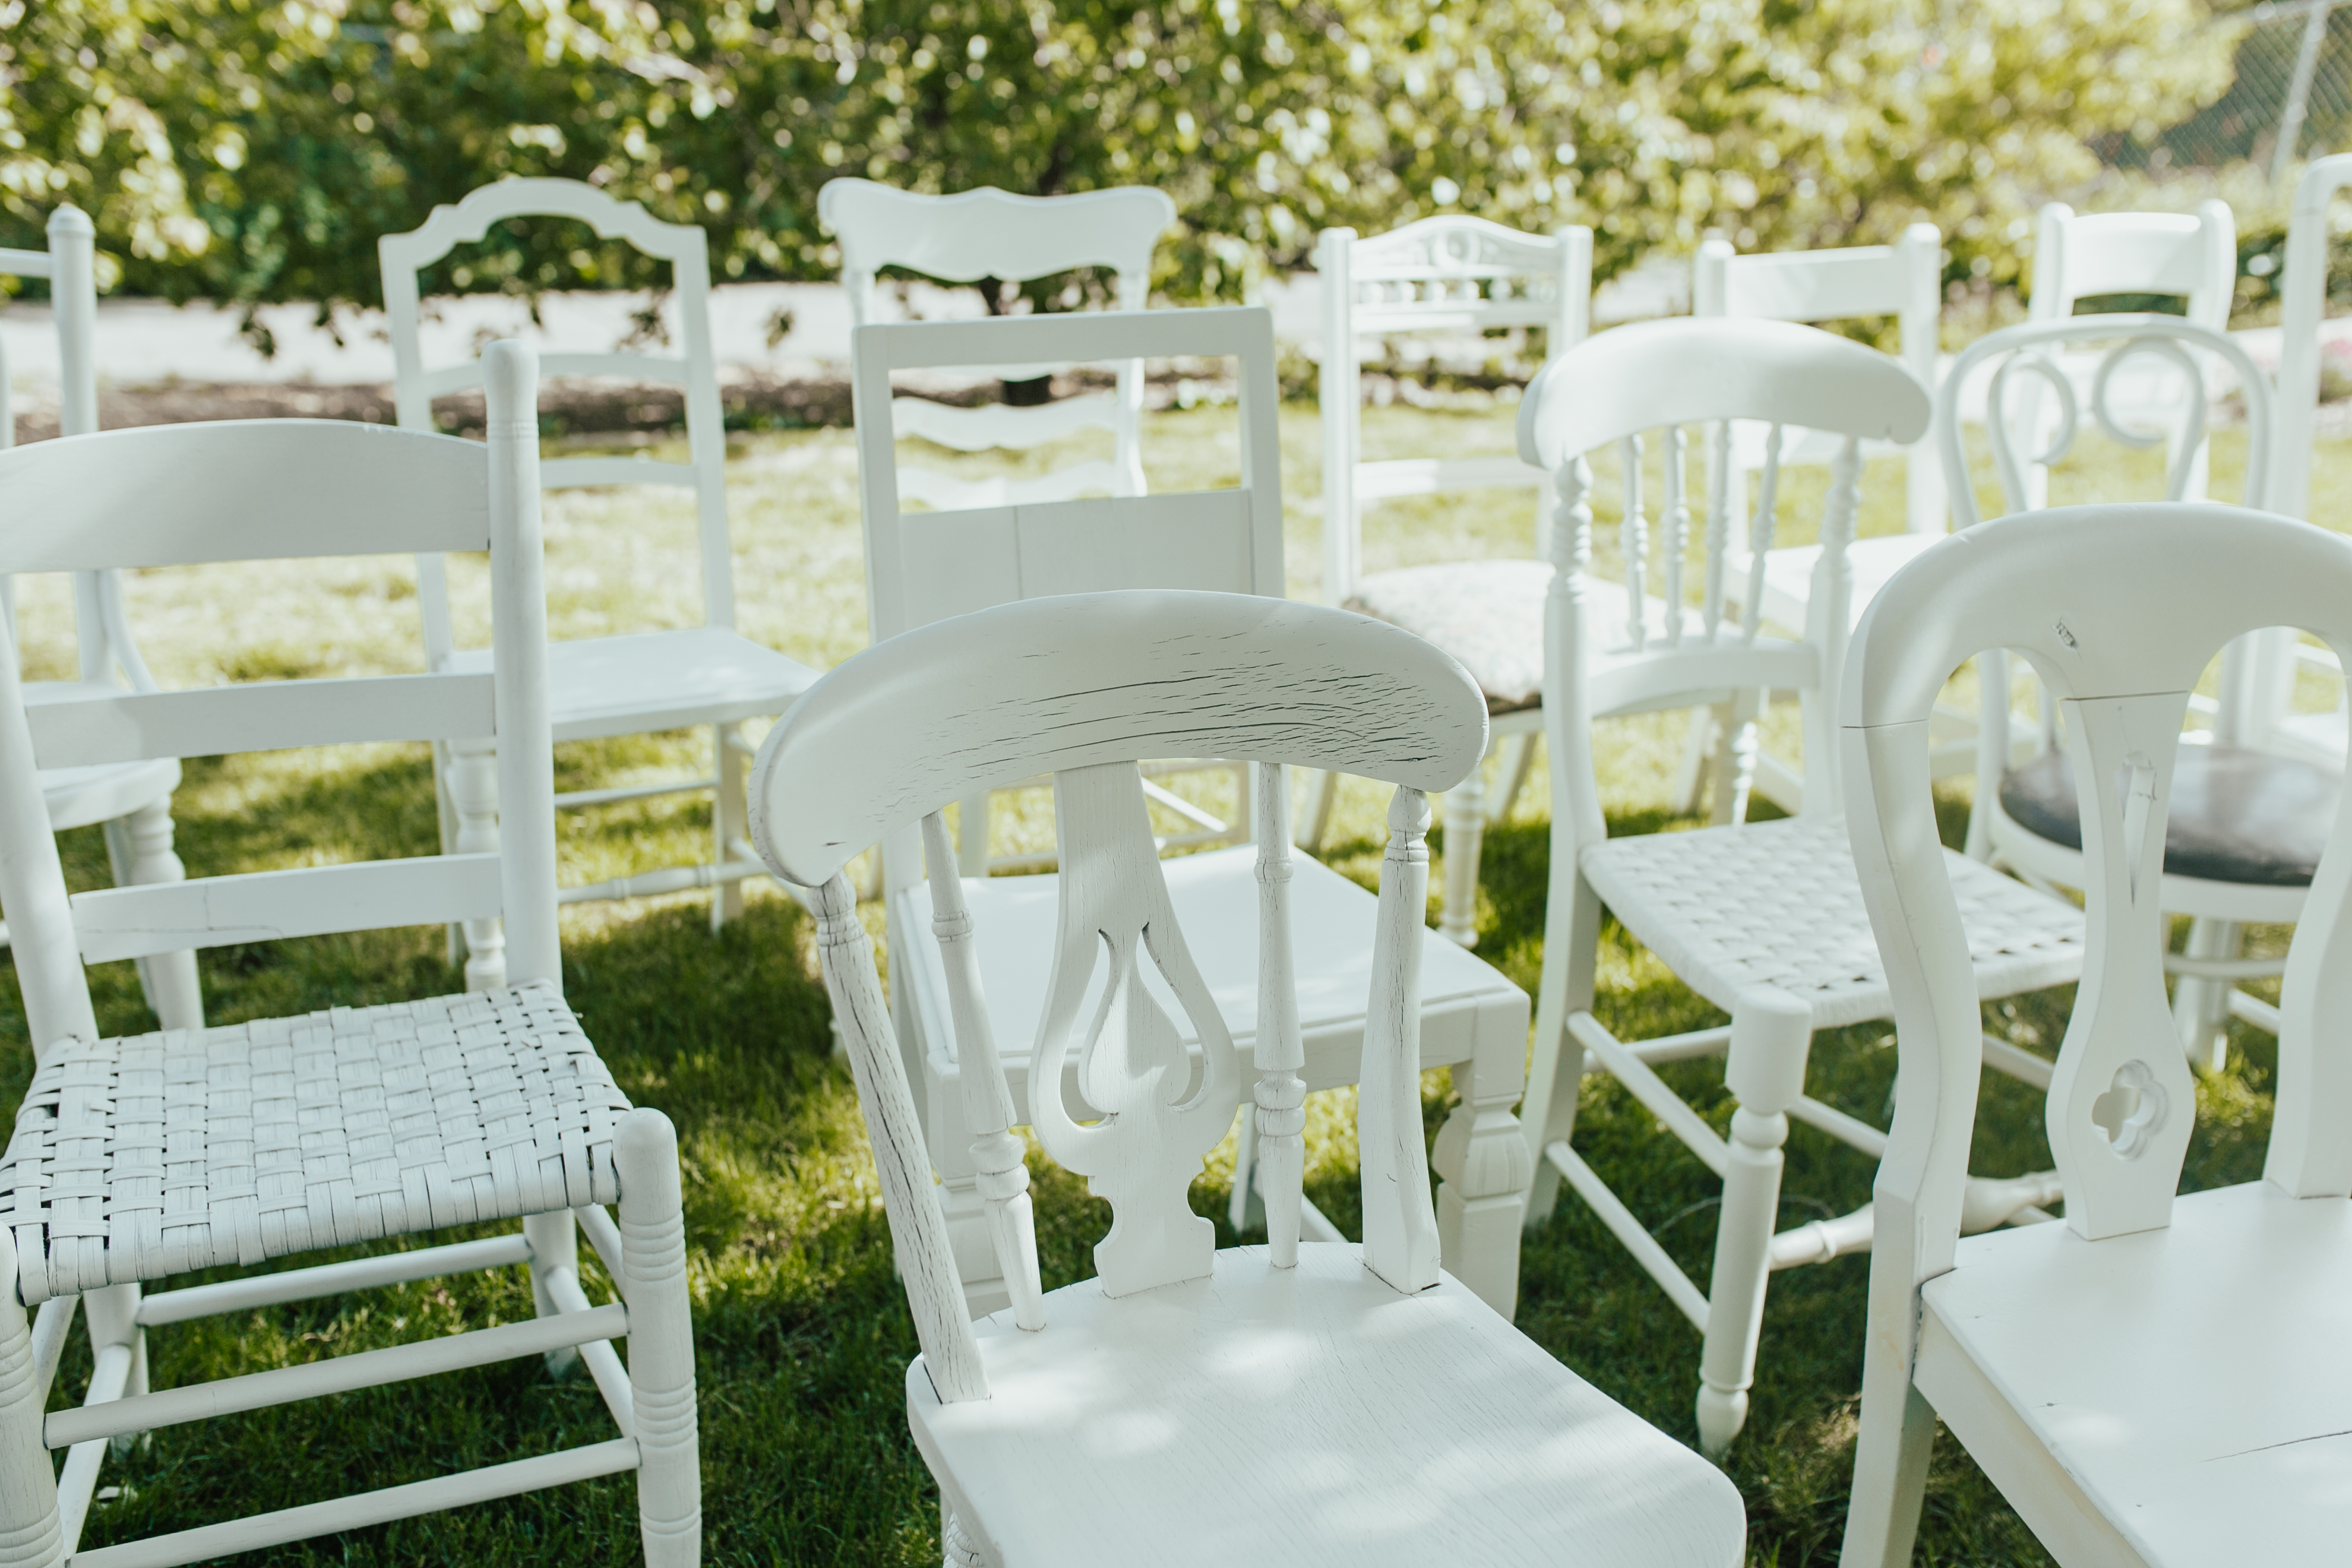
{"points": [[134, 1159], [2160, 1379], [1291, 1403]]}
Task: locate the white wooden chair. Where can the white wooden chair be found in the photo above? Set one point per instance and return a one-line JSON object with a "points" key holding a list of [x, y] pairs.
{"points": [[1461, 277], [1763, 920], [1315, 1402], [138, 1158], [131, 799], [2160, 1379], [923, 567], [639, 683], [2249, 824], [987, 234]]}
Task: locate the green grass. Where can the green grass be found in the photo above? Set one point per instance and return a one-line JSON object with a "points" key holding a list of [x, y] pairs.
{"points": [[801, 1329]]}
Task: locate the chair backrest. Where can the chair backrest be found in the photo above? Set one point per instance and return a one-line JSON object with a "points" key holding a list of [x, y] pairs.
{"points": [[687, 249], [271, 489], [991, 233], [1904, 280], [1084, 687], [2082, 256], [2120, 608], [1663, 376], [1456, 275]]}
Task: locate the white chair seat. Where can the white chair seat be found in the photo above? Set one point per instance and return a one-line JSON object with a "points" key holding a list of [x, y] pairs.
{"points": [[1789, 573], [1779, 904], [98, 792], [1236, 1420], [646, 681], [1464, 1002], [2190, 1382], [154, 1154]]}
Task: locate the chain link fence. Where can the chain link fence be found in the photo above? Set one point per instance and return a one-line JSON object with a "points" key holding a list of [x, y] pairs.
{"points": [[2292, 97]]}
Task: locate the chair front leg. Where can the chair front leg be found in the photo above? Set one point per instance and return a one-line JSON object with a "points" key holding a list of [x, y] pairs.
{"points": [[141, 846], [2200, 1006], [474, 795], [1482, 1157], [1465, 832], [112, 1315], [661, 1339], [1556, 1065], [1734, 761], [29, 1530], [554, 1242]]}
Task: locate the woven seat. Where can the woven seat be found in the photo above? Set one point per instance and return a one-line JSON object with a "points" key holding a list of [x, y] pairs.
{"points": [[1797, 924], [155, 1154]]}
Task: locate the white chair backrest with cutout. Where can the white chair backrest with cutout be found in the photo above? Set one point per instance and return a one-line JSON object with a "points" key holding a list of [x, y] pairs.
{"points": [[2075, 1373], [1454, 275], [990, 234]]}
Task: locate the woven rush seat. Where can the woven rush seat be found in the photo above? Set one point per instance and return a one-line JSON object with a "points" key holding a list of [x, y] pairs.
{"points": [[1798, 923], [154, 1154]]}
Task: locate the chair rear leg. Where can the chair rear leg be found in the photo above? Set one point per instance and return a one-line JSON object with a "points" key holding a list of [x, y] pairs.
{"points": [[1690, 771], [29, 1530], [1465, 832], [1318, 812], [1514, 778], [1735, 760], [661, 1339], [1556, 1065], [112, 1316], [2200, 1006], [474, 794], [145, 854], [554, 1244], [731, 821]]}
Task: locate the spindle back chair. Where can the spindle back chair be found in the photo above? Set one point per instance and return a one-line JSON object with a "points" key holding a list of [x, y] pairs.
{"points": [[1166, 1336], [2080, 1363], [1762, 920], [138, 1158]]}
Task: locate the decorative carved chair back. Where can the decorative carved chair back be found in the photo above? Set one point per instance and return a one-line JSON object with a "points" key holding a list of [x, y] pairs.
{"points": [[695, 369], [2024, 373], [2120, 608], [1662, 651], [992, 234], [1458, 274], [1084, 687], [1904, 280], [272, 490]]}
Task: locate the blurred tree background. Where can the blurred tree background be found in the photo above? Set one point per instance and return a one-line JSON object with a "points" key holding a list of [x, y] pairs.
{"points": [[251, 153]]}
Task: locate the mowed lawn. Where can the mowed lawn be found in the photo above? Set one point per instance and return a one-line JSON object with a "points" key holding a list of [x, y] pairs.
{"points": [[801, 1329]]}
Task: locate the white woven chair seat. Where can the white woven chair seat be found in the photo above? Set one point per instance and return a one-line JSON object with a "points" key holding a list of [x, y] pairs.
{"points": [[1779, 904], [153, 1154]]}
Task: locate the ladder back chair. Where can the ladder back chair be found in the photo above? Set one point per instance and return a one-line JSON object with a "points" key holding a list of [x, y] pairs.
{"points": [[988, 235], [1459, 277], [2247, 824], [635, 683], [134, 1159], [2080, 1363], [1354, 1404], [132, 799], [924, 567], [1762, 920]]}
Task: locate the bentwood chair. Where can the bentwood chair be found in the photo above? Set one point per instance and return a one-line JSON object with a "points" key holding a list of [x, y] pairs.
{"points": [[923, 567], [134, 1159], [1451, 277], [639, 683], [987, 234], [132, 798], [2160, 1379], [1296, 1403], [1763, 920]]}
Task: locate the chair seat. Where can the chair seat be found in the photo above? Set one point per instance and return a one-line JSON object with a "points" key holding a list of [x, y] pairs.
{"points": [[1789, 573], [1465, 1002], [2238, 814], [2190, 1381], [98, 792], [1306, 1416], [1779, 904], [152, 1154], [631, 685], [1489, 615]]}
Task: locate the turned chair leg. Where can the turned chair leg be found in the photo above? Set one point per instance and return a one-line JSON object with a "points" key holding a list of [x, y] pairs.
{"points": [[29, 1529], [2200, 1007], [1318, 812], [554, 1244], [139, 846], [474, 796], [661, 1339], [731, 821], [1690, 769], [1465, 832]]}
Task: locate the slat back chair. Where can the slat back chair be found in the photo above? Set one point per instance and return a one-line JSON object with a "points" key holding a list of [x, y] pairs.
{"points": [[138, 1158], [1459, 277], [988, 234], [923, 567], [2078, 1363], [635, 683], [1171, 1337], [2248, 824], [1762, 920], [132, 799]]}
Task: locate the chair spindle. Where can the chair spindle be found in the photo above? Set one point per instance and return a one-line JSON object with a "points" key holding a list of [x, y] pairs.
{"points": [[1634, 534], [1675, 511], [1718, 525], [1759, 539], [1281, 1094]]}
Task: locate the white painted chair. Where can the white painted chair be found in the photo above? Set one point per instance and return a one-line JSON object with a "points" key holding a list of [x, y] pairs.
{"points": [[2160, 1379], [137, 1158], [991, 235], [639, 683], [1461, 277], [131, 799], [2248, 824], [1763, 920], [924, 567], [1293, 1403]]}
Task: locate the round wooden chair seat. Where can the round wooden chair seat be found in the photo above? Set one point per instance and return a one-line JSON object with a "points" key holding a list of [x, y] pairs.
{"points": [[2238, 814]]}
